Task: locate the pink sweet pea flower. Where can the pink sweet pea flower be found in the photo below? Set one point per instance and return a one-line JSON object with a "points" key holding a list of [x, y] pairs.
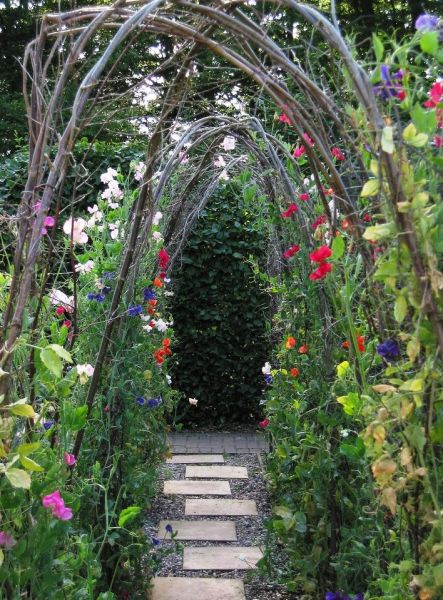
{"points": [[56, 503], [69, 459], [62, 512], [438, 141], [76, 228], [308, 140], [435, 95], [6, 540], [290, 211], [337, 153], [263, 424], [298, 151], [283, 118], [304, 196]]}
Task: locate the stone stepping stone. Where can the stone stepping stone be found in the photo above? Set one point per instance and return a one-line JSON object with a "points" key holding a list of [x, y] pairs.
{"points": [[190, 459], [217, 472], [213, 508], [197, 588], [214, 531], [197, 488], [221, 558]]}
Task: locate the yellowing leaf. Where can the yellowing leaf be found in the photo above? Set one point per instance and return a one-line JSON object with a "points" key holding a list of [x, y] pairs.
{"points": [[2, 557], [18, 478], [342, 369], [23, 410], [387, 139], [30, 464], [370, 188], [378, 232], [25, 449], [60, 351], [374, 167], [409, 132], [388, 498], [400, 309], [383, 388], [379, 434], [413, 349], [405, 457], [420, 140], [412, 385], [383, 469]]}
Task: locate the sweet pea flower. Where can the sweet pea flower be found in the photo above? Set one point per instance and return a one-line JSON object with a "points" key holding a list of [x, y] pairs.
{"points": [[59, 298], [108, 176], [290, 211], [266, 369], [219, 162], [298, 151], [337, 153], [157, 236], [157, 218], [321, 271], [290, 252], [283, 118], [56, 503], [290, 342], [435, 95], [6, 540], [294, 372], [263, 424], [69, 459], [308, 140], [85, 372], [163, 259], [75, 227], [139, 170], [388, 349], [193, 401], [229, 143], [321, 254], [84, 267], [114, 229], [304, 196], [319, 221], [303, 349]]}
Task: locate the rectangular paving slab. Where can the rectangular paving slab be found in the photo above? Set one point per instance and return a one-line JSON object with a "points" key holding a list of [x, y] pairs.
{"points": [[213, 507], [214, 531], [197, 488], [217, 472], [197, 588], [190, 459], [221, 558]]}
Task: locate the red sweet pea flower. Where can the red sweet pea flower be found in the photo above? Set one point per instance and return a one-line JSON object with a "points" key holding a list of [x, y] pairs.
{"points": [[337, 153], [298, 151], [321, 272], [321, 254], [294, 372], [401, 94], [152, 302], [291, 210], [283, 118], [346, 344], [263, 424], [435, 95], [367, 218], [319, 221], [328, 191], [304, 196], [360, 343], [308, 140], [67, 323], [303, 349], [163, 258], [290, 343], [59, 311], [289, 253]]}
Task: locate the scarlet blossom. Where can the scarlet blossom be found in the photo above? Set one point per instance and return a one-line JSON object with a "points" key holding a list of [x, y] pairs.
{"points": [[263, 424], [151, 311], [69, 459], [304, 196], [321, 254], [435, 95], [290, 211], [337, 153], [290, 342], [163, 258], [294, 372], [303, 349], [152, 302], [67, 323], [298, 151], [59, 311], [308, 140], [367, 218], [328, 191], [319, 221], [345, 223], [158, 282], [283, 118], [162, 275], [346, 344], [290, 252], [321, 271], [401, 94], [360, 343], [166, 342]]}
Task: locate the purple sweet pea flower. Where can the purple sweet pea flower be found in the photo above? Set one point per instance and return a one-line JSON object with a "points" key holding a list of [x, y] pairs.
{"points": [[140, 400], [388, 349], [154, 402], [135, 309], [268, 379], [168, 528], [149, 294], [426, 22]]}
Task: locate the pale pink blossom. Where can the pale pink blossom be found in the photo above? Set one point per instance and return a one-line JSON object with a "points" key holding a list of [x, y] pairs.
{"points": [[228, 143], [108, 176], [85, 372], [193, 401], [183, 157], [114, 229], [59, 298], [76, 229], [219, 162], [157, 236], [85, 267], [139, 170], [157, 218]]}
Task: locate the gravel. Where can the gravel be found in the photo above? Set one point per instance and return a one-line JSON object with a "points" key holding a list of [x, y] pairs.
{"points": [[250, 530]]}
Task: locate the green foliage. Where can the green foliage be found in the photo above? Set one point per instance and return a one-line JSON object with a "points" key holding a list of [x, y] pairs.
{"points": [[220, 311]]}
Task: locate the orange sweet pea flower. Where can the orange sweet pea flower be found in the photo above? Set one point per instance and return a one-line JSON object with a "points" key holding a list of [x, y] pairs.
{"points": [[158, 282], [290, 342], [152, 302], [303, 349], [294, 372], [360, 343]]}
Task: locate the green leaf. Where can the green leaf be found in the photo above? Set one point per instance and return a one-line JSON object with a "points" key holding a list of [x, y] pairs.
{"points": [[338, 247], [127, 514], [51, 361], [2, 557], [351, 403], [429, 42], [400, 309], [379, 49], [18, 478], [25, 449], [378, 232], [425, 120], [30, 464], [387, 139], [61, 352], [23, 410], [370, 188]]}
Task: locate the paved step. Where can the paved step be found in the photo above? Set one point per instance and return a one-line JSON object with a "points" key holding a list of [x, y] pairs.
{"points": [[190, 459], [214, 531], [197, 488], [197, 588], [210, 507], [217, 472], [221, 558]]}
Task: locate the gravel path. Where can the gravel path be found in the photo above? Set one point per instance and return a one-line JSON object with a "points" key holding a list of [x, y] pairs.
{"points": [[250, 530]]}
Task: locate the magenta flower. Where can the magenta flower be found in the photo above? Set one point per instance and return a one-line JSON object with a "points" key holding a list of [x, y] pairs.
{"points": [[69, 459], [56, 503]]}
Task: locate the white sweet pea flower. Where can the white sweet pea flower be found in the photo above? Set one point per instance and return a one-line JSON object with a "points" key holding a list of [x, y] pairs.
{"points": [[168, 293], [161, 325], [228, 143], [85, 372], [157, 236], [84, 268], [76, 228], [139, 171], [157, 218], [219, 162], [108, 176], [114, 229], [193, 401], [224, 175], [168, 379], [147, 328], [266, 369]]}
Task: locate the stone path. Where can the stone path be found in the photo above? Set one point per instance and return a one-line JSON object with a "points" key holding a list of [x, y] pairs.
{"points": [[205, 475]]}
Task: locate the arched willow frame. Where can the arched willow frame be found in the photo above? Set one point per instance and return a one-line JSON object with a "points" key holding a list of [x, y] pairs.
{"points": [[317, 115]]}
